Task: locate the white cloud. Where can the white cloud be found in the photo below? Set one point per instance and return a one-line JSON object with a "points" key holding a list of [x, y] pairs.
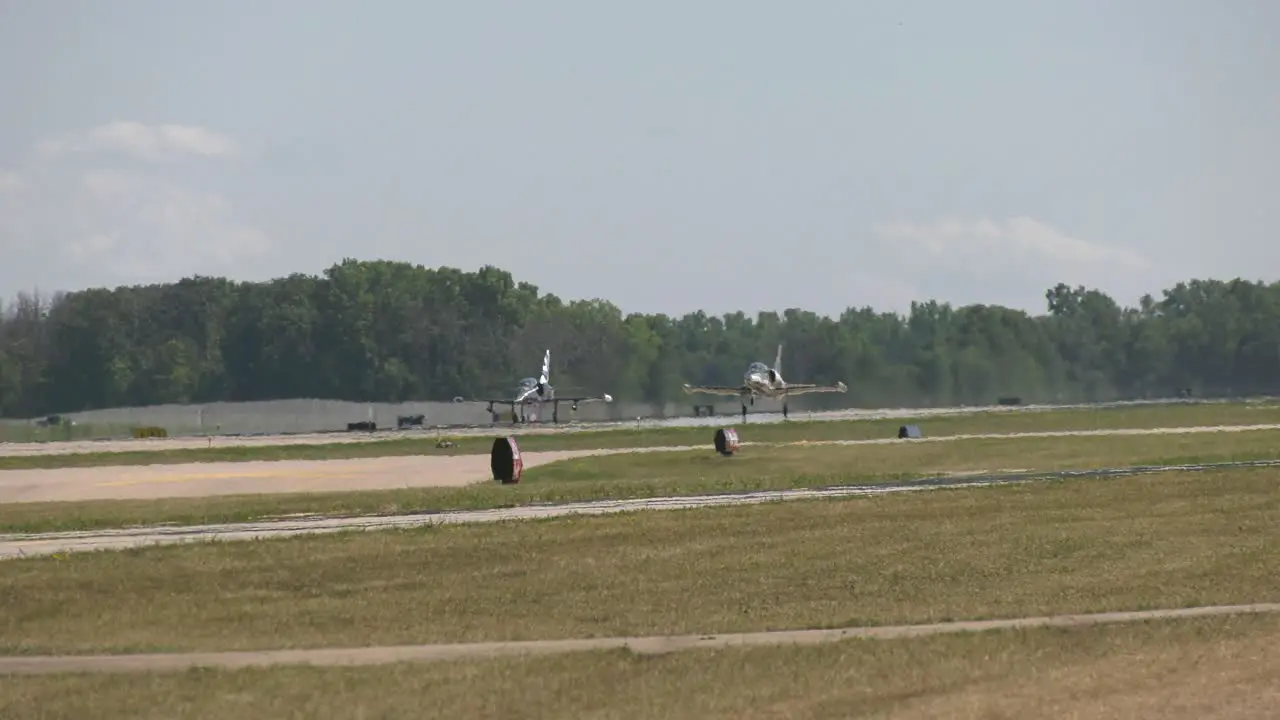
{"points": [[103, 222], [10, 181], [143, 227], [146, 142], [1010, 262], [1016, 238]]}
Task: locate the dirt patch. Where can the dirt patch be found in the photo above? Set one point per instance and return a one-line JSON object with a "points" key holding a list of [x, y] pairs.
{"points": [[276, 476]]}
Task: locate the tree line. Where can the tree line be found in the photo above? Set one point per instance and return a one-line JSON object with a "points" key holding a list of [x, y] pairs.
{"points": [[392, 332]]}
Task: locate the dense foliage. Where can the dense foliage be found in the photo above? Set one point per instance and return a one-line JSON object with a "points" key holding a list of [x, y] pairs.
{"points": [[389, 331]]}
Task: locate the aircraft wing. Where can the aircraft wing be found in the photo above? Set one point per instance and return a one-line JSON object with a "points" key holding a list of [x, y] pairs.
{"points": [[804, 388], [481, 401], [606, 397], [717, 389]]}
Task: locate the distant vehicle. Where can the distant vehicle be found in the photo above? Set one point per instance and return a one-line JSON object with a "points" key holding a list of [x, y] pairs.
{"points": [[764, 381], [535, 391]]}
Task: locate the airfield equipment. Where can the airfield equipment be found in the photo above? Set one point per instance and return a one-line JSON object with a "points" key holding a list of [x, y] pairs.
{"points": [[726, 441], [505, 461]]}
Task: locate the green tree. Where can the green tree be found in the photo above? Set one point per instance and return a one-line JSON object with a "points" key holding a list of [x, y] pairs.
{"points": [[391, 331]]}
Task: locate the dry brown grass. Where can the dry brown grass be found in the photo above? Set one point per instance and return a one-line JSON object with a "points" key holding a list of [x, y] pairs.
{"points": [[1171, 670], [1081, 546]]}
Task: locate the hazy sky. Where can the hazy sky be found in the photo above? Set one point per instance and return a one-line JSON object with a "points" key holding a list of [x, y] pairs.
{"points": [[667, 156]]}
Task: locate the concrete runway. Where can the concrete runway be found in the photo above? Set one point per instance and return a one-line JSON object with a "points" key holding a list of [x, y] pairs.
{"points": [[202, 441], [653, 645], [33, 544], [287, 476]]}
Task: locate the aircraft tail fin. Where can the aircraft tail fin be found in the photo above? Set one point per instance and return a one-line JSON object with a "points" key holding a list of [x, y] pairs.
{"points": [[777, 360], [545, 377]]}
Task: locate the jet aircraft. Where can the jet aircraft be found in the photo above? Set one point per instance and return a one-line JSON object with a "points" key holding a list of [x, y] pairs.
{"points": [[535, 391], [764, 381]]}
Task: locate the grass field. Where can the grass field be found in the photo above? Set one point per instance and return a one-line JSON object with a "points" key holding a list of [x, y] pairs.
{"points": [[1158, 669], [1176, 415], [815, 465], [1078, 546], [667, 474]]}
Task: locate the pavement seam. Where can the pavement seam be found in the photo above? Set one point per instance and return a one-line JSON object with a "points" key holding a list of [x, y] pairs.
{"points": [[652, 645]]}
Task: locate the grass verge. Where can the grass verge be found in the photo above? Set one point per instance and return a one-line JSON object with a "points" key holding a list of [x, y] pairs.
{"points": [[667, 474], [1216, 667], [1080, 546], [1185, 415]]}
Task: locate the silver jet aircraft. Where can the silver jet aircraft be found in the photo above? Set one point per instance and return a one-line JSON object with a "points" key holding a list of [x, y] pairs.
{"points": [[535, 391], [764, 381]]}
